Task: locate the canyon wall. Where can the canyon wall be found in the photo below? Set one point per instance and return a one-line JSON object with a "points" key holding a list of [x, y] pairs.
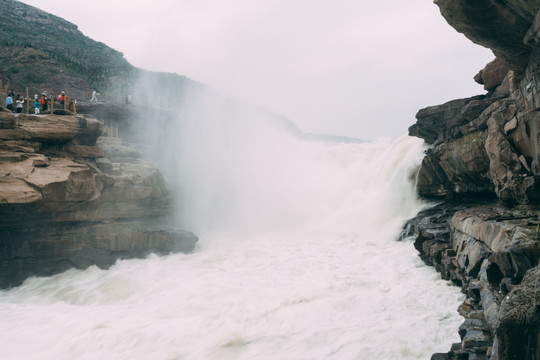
{"points": [[483, 169], [71, 198]]}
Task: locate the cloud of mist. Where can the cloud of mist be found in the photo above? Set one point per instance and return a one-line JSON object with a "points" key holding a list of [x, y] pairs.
{"points": [[342, 67], [236, 168]]}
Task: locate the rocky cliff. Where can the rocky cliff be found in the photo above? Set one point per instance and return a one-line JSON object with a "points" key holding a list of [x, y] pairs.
{"points": [[70, 198], [483, 163]]}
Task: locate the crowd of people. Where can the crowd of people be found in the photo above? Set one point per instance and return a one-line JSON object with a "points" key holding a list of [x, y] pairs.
{"points": [[41, 103]]}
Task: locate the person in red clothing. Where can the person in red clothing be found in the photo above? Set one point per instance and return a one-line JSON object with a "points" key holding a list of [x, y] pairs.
{"points": [[44, 103], [62, 99]]}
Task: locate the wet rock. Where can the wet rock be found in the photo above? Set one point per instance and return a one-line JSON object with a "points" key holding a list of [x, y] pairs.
{"points": [[489, 247], [474, 335], [439, 356]]}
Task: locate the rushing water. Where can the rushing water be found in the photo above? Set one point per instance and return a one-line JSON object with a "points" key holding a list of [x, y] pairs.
{"points": [[297, 259]]}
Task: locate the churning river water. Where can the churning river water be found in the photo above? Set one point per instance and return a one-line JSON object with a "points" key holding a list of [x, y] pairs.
{"points": [[297, 259]]}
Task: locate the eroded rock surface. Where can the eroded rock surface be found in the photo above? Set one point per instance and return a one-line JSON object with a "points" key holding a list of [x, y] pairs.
{"points": [[67, 202], [484, 163], [492, 252]]}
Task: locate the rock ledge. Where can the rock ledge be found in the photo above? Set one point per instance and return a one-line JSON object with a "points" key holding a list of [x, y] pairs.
{"points": [[69, 200]]}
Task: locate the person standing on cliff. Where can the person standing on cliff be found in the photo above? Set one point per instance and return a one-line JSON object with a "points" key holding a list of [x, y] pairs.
{"points": [[9, 102], [20, 103], [94, 96], [62, 99], [43, 102], [36, 106]]}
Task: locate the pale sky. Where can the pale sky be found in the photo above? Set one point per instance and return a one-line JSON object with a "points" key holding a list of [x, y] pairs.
{"points": [[345, 67]]}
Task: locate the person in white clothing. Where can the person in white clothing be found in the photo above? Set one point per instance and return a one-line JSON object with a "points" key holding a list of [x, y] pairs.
{"points": [[94, 96]]}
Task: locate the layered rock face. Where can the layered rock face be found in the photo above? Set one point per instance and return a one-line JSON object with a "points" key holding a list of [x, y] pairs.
{"points": [[69, 198], [484, 162], [492, 252]]}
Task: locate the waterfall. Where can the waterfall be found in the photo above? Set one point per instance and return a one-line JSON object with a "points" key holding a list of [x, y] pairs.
{"points": [[298, 259]]}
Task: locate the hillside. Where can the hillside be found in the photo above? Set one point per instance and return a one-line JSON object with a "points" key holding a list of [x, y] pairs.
{"points": [[49, 54]]}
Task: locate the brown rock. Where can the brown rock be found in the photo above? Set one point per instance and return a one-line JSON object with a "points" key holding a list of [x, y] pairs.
{"points": [[17, 191], [85, 151], [492, 24], [59, 129], [504, 163], [493, 74], [117, 152], [434, 121], [517, 323], [520, 138], [456, 167], [12, 157], [12, 134], [64, 180], [7, 120], [508, 85], [532, 37], [40, 160], [510, 126], [64, 204], [20, 146]]}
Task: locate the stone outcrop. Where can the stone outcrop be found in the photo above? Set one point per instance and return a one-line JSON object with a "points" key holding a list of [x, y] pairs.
{"points": [[498, 25], [492, 75], [492, 252], [483, 163], [69, 198]]}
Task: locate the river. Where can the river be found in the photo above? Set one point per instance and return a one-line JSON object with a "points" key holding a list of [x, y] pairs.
{"points": [[297, 259]]}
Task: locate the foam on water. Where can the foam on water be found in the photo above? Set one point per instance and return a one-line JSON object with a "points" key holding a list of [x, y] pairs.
{"points": [[303, 264]]}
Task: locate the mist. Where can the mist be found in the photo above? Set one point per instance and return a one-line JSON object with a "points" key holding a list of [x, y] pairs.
{"points": [[340, 67], [237, 168], [297, 254]]}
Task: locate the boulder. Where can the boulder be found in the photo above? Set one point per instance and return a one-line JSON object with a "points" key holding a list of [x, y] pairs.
{"points": [[493, 74]]}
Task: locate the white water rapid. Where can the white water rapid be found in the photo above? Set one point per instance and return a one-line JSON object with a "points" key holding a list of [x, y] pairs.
{"points": [[297, 259]]}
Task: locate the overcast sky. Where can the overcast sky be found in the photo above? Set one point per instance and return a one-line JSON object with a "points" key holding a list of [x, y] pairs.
{"points": [[347, 67]]}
